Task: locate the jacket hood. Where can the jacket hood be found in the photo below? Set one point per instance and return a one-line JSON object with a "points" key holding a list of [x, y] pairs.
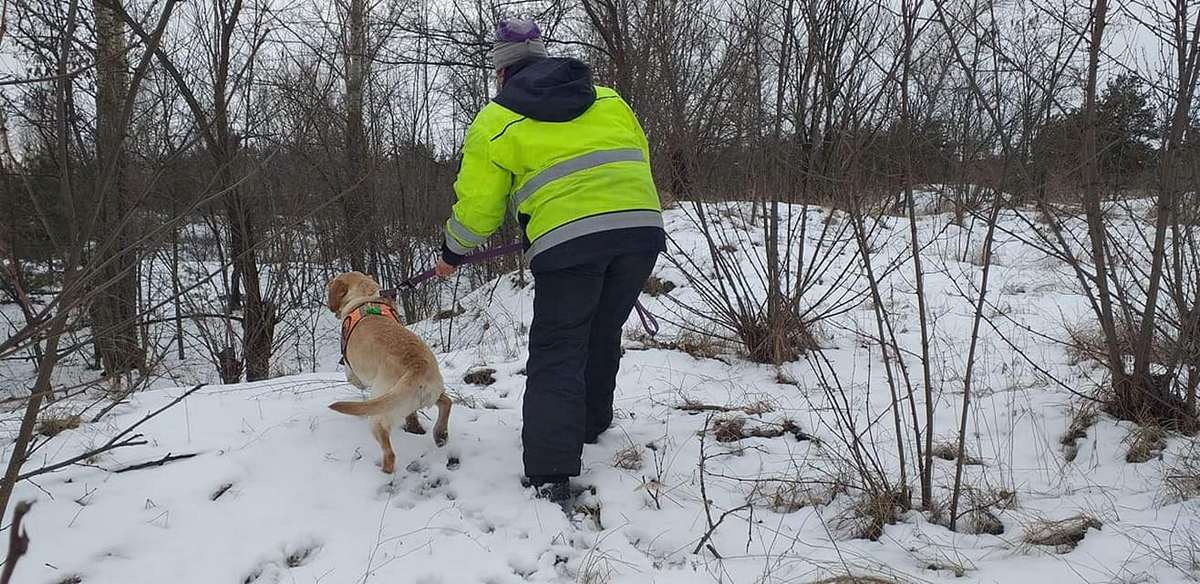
{"points": [[548, 90]]}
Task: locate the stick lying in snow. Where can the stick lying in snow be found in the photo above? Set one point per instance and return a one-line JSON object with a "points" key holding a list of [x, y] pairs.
{"points": [[708, 534], [753, 409], [115, 442], [157, 462], [18, 541]]}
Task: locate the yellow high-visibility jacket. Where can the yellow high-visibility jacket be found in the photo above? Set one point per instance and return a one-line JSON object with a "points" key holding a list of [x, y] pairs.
{"points": [[565, 168]]}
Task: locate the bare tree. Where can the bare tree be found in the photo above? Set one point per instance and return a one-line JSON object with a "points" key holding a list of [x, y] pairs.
{"points": [[114, 310]]}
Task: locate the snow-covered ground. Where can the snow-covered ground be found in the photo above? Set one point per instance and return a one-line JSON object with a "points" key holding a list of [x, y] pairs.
{"points": [[284, 490]]}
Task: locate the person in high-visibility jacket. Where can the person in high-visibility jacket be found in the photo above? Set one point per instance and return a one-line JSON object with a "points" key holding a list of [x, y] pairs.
{"points": [[571, 162]]}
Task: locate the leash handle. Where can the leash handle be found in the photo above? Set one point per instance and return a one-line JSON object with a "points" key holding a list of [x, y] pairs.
{"points": [[649, 323]]}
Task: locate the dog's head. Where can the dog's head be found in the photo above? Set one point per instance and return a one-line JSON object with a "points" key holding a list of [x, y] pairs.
{"points": [[349, 287]]}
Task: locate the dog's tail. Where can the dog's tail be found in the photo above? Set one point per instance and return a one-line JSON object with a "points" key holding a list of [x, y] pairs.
{"points": [[374, 406]]}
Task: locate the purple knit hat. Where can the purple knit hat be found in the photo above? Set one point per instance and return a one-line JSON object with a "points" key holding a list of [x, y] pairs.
{"points": [[517, 39]]}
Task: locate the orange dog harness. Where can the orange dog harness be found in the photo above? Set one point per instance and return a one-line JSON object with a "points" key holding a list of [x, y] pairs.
{"points": [[355, 317]]}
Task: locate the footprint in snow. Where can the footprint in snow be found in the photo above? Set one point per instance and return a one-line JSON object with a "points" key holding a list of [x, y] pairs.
{"points": [[523, 566], [476, 517], [417, 482], [275, 568], [435, 485]]}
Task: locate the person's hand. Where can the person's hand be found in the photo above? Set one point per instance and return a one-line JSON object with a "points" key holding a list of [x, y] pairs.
{"points": [[443, 269]]}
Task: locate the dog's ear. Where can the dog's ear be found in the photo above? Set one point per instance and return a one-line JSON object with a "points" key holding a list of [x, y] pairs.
{"points": [[337, 291], [370, 286]]}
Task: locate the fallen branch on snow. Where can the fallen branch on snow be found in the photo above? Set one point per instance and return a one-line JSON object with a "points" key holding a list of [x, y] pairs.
{"points": [[694, 407], [735, 429], [119, 441], [157, 462]]}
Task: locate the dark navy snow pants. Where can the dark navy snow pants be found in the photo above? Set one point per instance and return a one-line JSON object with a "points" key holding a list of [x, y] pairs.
{"points": [[574, 355]]}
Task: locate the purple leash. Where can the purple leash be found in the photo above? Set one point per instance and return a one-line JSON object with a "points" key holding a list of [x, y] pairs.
{"points": [[475, 258], [648, 321]]}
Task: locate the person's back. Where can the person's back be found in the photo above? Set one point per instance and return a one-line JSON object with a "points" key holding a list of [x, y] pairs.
{"points": [[571, 161], [574, 150]]}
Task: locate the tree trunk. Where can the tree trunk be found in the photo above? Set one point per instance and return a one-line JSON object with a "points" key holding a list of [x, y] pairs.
{"points": [[258, 315], [114, 308], [359, 234], [1157, 399], [175, 293], [1091, 199], [924, 455]]}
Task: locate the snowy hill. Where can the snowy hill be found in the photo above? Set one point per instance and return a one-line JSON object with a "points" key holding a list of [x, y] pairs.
{"points": [[281, 489]]}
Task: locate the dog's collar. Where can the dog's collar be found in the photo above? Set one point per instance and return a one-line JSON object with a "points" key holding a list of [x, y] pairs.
{"points": [[368, 308]]}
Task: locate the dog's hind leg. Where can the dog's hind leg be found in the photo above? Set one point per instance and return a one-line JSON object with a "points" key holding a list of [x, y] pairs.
{"points": [[440, 429], [412, 425], [381, 428]]}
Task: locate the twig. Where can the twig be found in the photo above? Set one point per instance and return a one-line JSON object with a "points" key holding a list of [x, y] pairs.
{"points": [[712, 525], [713, 529], [131, 441], [158, 462], [695, 408], [18, 541], [110, 407], [115, 442]]}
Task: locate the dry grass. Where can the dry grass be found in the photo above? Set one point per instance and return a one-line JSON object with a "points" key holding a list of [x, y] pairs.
{"points": [[1145, 443], [465, 400], [782, 378], [1182, 476], [1087, 342], [734, 428], [789, 496], [698, 345], [1153, 399], [52, 425], [628, 458], [869, 514], [1063, 534], [483, 376], [656, 286], [447, 314], [595, 569], [983, 521], [944, 565], [949, 451], [1082, 417], [729, 429], [1149, 400], [779, 342]]}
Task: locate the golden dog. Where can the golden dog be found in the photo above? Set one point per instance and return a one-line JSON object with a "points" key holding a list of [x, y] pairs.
{"points": [[380, 353]]}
